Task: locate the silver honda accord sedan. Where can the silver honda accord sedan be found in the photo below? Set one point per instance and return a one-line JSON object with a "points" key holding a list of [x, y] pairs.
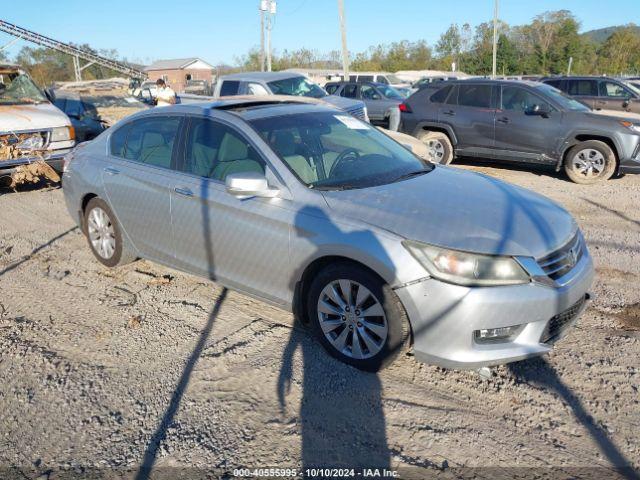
{"points": [[315, 211]]}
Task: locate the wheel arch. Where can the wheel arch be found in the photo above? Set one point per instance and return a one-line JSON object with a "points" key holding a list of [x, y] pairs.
{"points": [[301, 288], [437, 127], [584, 137]]}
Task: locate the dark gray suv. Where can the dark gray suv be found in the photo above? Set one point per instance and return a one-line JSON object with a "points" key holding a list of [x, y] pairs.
{"points": [[525, 122]]}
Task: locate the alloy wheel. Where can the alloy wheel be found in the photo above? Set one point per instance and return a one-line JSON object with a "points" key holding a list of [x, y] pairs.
{"points": [[589, 163], [352, 319], [435, 151], [101, 233]]}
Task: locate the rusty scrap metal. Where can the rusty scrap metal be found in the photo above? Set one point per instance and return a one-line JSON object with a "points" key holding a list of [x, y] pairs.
{"points": [[15, 146]]}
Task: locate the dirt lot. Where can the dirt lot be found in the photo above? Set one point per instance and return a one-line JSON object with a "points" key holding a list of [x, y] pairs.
{"points": [[124, 370]]}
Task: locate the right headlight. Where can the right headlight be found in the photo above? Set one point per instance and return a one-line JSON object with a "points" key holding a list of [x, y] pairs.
{"points": [[469, 269]]}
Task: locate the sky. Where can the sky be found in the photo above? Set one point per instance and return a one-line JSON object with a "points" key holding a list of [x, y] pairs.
{"points": [[219, 31]]}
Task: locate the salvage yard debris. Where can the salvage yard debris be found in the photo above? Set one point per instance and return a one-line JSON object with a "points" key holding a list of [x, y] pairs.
{"points": [[26, 145]]}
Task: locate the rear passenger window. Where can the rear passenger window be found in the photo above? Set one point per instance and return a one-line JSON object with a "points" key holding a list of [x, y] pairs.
{"points": [[554, 83], [474, 96], [441, 95], [229, 88], [150, 141], [583, 87], [118, 139], [215, 151]]}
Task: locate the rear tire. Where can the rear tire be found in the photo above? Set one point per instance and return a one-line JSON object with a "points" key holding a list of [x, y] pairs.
{"points": [[366, 327], [439, 146], [104, 235], [590, 162]]}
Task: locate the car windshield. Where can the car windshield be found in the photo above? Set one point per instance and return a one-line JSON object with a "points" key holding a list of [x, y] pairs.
{"points": [[113, 101], [334, 151], [298, 86], [18, 89], [390, 92], [561, 98], [633, 87]]}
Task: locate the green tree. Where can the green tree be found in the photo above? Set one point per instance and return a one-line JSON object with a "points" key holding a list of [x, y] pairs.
{"points": [[620, 53]]}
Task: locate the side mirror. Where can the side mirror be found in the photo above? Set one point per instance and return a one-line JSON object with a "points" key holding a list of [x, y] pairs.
{"points": [[538, 110], [249, 184]]}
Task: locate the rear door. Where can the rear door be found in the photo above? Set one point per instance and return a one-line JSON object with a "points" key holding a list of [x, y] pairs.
{"points": [[584, 90], [521, 135], [138, 180], [469, 110]]}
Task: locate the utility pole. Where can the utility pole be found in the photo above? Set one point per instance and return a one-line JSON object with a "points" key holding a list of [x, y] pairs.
{"points": [[495, 39], [271, 11], [569, 67], [263, 8], [345, 51]]}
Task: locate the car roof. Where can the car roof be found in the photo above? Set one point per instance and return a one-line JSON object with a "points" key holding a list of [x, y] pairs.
{"points": [[499, 81], [260, 76], [580, 77], [342, 82], [248, 107]]}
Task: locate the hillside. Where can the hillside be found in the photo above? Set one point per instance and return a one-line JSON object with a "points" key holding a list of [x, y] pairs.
{"points": [[600, 35]]}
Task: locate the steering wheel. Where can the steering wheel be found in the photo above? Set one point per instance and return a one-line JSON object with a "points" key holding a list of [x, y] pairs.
{"points": [[340, 159]]}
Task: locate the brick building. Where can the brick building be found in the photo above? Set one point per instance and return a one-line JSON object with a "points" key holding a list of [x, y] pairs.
{"points": [[178, 71]]}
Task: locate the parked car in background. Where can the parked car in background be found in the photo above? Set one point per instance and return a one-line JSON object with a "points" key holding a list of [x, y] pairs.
{"points": [[198, 87], [427, 81], [526, 122], [378, 77], [30, 126], [380, 99], [284, 83], [84, 116], [320, 213], [600, 93], [93, 105]]}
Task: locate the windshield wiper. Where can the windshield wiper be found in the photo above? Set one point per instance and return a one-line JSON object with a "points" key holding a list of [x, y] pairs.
{"points": [[415, 173]]}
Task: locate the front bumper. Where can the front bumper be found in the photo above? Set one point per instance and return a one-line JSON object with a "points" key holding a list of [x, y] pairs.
{"points": [[55, 159], [444, 317]]}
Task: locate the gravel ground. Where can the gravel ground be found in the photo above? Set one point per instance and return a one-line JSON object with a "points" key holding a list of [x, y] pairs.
{"points": [[144, 367]]}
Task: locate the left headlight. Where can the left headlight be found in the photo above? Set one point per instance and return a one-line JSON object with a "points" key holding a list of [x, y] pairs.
{"points": [[60, 134], [469, 269]]}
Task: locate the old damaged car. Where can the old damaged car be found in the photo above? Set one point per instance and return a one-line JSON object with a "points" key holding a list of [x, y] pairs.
{"points": [[310, 209], [34, 134]]}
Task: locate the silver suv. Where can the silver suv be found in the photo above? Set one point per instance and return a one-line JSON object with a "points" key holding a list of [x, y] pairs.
{"points": [[315, 211]]}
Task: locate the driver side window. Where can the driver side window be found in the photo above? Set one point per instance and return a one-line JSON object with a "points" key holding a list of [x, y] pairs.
{"points": [[610, 89], [520, 100]]}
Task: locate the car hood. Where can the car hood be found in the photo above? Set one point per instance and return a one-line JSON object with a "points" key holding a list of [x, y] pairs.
{"points": [[460, 210], [31, 117], [343, 103]]}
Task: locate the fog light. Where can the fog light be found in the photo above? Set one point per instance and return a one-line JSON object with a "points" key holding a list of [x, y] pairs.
{"points": [[501, 334]]}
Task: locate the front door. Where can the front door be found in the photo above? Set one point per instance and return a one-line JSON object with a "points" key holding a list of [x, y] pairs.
{"points": [[138, 181], [614, 96], [520, 133], [243, 243]]}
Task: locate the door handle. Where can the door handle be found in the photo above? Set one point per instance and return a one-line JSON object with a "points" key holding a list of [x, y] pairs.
{"points": [[449, 112], [112, 171], [503, 120], [183, 191]]}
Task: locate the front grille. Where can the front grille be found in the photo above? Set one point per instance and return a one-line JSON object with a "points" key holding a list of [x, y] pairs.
{"points": [[357, 112], [562, 261], [560, 322]]}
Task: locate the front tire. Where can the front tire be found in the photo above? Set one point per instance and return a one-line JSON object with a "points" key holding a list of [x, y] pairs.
{"points": [[357, 317], [590, 162], [440, 149], [105, 235]]}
